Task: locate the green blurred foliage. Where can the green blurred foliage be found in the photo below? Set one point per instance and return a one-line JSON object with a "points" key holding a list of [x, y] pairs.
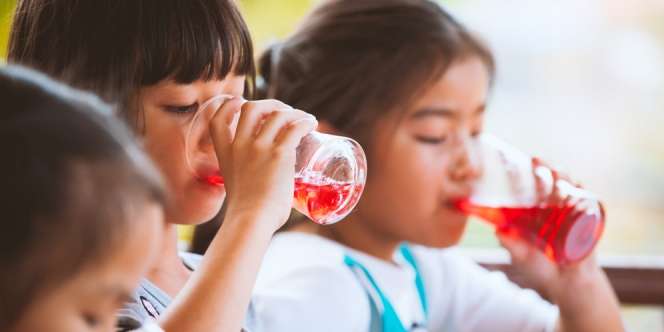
{"points": [[6, 10], [270, 20]]}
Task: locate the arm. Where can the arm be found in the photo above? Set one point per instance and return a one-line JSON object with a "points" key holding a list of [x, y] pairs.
{"points": [[258, 163], [582, 292]]}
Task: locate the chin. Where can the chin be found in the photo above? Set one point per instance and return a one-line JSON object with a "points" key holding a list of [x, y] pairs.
{"points": [[444, 235], [194, 212], [441, 242]]}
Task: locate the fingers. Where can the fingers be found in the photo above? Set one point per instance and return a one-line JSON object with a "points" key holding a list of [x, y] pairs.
{"points": [[221, 125], [518, 249], [261, 126], [291, 136], [278, 122], [252, 117]]}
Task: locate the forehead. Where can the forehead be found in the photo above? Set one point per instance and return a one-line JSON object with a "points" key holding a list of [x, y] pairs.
{"points": [[462, 88], [230, 84], [118, 272]]}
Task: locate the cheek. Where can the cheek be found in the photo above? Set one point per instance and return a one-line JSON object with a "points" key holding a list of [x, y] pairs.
{"points": [[166, 148], [190, 201], [56, 313], [406, 183], [163, 141]]}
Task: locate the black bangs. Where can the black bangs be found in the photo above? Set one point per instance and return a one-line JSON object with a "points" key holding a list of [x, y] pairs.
{"points": [[116, 47], [193, 39]]}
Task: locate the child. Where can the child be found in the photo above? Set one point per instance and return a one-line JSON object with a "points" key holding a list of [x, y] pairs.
{"points": [[411, 84], [82, 208], [158, 61]]}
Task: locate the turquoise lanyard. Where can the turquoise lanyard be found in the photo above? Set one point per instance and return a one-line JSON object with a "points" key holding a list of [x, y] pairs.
{"points": [[381, 306]]}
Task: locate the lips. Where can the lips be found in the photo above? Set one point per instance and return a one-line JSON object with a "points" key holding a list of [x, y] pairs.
{"points": [[453, 203], [212, 177]]}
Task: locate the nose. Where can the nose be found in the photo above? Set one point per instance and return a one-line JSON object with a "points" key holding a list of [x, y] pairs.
{"points": [[199, 146], [467, 165]]}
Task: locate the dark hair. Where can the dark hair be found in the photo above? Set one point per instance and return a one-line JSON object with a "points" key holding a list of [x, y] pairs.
{"points": [[115, 47], [70, 179], [351, 61]]}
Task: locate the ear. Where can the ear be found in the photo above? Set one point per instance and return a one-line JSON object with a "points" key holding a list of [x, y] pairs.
{"points": [[326, 128]]}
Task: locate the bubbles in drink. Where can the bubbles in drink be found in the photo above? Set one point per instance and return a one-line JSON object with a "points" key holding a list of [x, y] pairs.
{"points": [[325, 201]]}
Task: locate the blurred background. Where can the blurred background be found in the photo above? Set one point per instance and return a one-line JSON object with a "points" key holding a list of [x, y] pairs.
{"points": [[580, 84]]}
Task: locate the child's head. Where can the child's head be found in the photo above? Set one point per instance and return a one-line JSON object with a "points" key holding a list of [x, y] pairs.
{"points": [[410, 83], [157, 60], [82, 208]]}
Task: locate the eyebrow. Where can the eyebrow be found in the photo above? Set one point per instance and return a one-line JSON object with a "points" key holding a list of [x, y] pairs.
{"points": [[442, 112]]}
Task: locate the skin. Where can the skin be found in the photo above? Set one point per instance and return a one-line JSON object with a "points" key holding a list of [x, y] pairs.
{"points": [[89, 300], [427, 152], [255, 144]]}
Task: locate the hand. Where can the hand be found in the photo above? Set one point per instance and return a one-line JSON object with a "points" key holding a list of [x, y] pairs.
{"points": [[258, 160], [540, 273]]}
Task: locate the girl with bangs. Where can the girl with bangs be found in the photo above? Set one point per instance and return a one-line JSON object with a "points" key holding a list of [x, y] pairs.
{"points": [[158, 61]]}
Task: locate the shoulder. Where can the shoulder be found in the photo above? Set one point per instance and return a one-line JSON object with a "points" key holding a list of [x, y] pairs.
{"points": [[468, 297], [145, 305], [293, 253], [191, 260], [304, 285]]}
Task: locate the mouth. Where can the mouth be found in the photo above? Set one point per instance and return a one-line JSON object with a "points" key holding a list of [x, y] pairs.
{"points": [[454, 205], [212, 178]]}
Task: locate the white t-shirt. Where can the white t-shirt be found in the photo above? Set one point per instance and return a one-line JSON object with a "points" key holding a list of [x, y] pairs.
{"points": [[304, 285]]}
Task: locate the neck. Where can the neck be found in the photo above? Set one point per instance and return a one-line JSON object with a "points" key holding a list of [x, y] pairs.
{"points": [[358, 234], [168, 271]]}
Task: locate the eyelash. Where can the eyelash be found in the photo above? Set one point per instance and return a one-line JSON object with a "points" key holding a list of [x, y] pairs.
{"points": [[441, 140], [90, 320], [431, 140], [182, 109]]}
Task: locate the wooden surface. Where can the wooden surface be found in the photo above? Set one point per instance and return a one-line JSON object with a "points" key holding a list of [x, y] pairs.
{"points": [[636, 279]]}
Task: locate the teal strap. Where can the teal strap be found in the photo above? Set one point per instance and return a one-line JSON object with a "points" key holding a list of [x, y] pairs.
{"points": [[389, 319], [408, 255]]}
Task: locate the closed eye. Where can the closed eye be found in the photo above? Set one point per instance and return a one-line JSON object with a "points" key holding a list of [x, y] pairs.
{"points": [[431, 140], [182, 109], [91, 320]]}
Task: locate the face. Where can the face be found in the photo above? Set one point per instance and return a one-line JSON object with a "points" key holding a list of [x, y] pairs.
{"points": [[168, 109], [89, 300], [425, 160]]}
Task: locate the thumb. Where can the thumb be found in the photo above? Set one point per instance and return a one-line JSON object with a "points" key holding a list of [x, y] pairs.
{"points": [[517, 248]]}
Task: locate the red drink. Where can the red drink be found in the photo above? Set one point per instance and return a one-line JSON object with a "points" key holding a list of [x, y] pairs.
{"points": [[214, 179], [324, 202], [565, 233]]}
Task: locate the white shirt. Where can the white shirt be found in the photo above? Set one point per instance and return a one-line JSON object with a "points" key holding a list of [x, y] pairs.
{"points": [[304, 285]]}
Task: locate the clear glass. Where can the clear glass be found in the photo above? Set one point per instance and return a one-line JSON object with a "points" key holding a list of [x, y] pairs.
{"points": [[526, 199], [330, 171]]}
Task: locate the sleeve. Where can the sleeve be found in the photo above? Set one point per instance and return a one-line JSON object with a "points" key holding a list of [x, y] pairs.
{"points": [[318, 299], [133, 317], [487, 301], [128, 318], [150, 326]]}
